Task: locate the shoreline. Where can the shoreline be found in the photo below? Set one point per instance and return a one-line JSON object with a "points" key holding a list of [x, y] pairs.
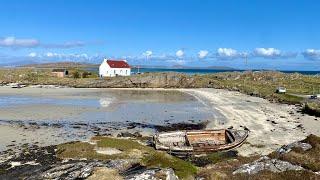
{"points": [[271, 124]]}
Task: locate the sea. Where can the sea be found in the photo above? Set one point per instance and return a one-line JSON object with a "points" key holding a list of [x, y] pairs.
{"points": [[203, 71]]}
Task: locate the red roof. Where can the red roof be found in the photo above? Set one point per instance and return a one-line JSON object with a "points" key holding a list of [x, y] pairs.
{"points": [[118, 64]]}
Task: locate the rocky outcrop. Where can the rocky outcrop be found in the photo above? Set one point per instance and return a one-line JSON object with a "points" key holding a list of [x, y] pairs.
{"points": [[287, 148], [153, 174], [266, 163], [42, 163], [69, 171]]}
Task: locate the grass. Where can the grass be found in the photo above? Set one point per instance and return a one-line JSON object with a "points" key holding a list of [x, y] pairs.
{"points": [[312, 108], [130, 149], [213, 158], [80, 150], [286, 175], [224, 167], [262, 84], [218, 165], [182, 168], [118, 143], [290, 99], [308, 159]]}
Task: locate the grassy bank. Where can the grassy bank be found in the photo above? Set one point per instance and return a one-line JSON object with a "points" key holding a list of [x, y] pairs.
{"points": [[219, 165], [312, 108], [262, 84], [130, 149]]}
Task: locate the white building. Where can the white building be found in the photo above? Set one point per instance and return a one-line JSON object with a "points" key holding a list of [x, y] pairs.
{"points": [[111, 68]]}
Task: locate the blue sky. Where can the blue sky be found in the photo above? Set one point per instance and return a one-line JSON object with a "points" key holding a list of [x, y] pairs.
{"points": [[273, 34]]}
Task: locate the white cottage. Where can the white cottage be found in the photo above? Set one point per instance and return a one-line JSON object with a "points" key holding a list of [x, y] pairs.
{"points": [[111, 68]]}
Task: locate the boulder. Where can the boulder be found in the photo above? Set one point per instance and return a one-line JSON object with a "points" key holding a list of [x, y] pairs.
{"points": [[153, 174], [287, 148], [265, 163], [71, 170]]}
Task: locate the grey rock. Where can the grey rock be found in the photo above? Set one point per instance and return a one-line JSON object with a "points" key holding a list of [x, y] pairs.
{"points": [[265, 163], [120, 164], [170, 174], [70, 171], [287, 148], [150, 174]]}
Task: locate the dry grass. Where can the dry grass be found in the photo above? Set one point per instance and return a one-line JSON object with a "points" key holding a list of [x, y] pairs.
{"points": [[308, 159], [287, 175]]}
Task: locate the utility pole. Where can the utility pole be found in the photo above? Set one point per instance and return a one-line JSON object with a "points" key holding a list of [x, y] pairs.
{"points": [[246, 64]]}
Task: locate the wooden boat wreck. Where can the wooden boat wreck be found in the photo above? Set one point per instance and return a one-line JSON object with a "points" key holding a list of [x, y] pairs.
{"points": [[199, 141]]}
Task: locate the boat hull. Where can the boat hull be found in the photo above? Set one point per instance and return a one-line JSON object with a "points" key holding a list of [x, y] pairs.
{"points": [[199, 141]]}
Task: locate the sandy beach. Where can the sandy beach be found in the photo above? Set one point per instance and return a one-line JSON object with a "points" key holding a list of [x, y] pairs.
{"points": [[271, 125]]}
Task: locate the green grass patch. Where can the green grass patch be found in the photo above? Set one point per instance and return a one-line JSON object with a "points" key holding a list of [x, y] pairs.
{"points": [[212, 158], [149, 157], [79, 150], [291, 99], [121, 144], [182, 168]]}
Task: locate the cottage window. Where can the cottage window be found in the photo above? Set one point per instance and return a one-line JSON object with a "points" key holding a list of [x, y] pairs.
{"points": [[126, 71], [114, 71]]}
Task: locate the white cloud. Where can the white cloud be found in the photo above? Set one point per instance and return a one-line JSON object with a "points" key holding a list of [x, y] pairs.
{"points": [[228, 53], [272, 53], [33, 54], [84, 55], [267, 52], [312, 54], [180, 53], [14, 42], [147, 53], [50, 54], [203, 53], [176, 61], [65, 45]]}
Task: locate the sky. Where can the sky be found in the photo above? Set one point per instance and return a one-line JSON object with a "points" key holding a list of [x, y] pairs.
{"points": [[273, 34]]}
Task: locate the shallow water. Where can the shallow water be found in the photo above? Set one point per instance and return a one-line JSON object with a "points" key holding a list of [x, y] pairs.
{"points": [[22, 111], [145, 106]]}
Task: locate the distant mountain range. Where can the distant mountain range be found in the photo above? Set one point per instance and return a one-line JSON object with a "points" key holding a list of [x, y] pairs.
{"points": [[184, 67], [59, 64], [17, 63], [78, 64]]}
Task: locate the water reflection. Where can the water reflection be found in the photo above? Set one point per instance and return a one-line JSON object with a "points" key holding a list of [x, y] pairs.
{"points": [[106, 102], [105, 105]]}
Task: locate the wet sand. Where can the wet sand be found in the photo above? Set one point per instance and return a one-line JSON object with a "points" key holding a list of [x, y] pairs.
{"points": [[52, 116], [271, 125]]}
